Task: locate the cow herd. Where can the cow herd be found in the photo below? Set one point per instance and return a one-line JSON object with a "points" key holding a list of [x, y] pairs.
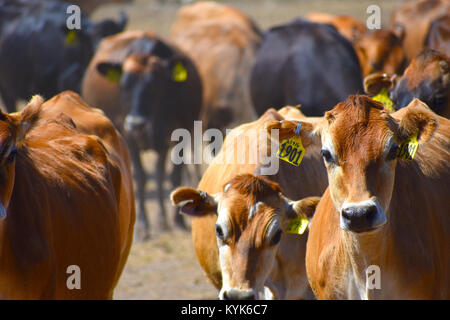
{"points": [[359, 209]]}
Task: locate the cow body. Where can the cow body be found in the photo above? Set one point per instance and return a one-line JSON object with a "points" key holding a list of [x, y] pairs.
{"points": [[223, 43], [39, 54], [297, 56], [73, 169], [288, 266], [146, 101], [380, 211]]}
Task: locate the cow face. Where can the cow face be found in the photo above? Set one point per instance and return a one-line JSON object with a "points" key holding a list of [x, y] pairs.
{"points": [[359, 142], [13, 128], [148, 83], [251, 216], [380, 51], [426, 78]]}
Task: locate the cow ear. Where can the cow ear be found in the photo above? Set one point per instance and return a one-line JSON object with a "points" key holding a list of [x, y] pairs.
{"points": [[26, 118], [110, 70], [308, 131], [416, 119], [193, 202], [299, 214], [304, 208], [375, 82]]}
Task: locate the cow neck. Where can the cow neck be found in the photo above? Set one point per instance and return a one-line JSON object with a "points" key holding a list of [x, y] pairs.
{"points": [[363, 250]]}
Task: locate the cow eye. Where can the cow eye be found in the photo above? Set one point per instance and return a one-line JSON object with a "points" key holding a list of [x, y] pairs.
{"points": [[392, 154], [327, 155], [12, 155], [276, 238], [219, 232]]}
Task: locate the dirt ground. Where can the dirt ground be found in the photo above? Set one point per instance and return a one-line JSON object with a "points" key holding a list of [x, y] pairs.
{"points": [[165, 267]]}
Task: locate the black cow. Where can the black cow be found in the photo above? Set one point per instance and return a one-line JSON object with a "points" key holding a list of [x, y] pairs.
{"points": [[39, 54], [161, 90], [304, 63]]}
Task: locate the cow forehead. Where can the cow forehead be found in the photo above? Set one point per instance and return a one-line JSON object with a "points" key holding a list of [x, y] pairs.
{"points": [[358, 130]]}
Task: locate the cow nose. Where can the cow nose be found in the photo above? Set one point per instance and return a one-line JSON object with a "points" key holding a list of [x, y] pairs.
{"points": [[134, 123], [236, 294], [359, 218]]}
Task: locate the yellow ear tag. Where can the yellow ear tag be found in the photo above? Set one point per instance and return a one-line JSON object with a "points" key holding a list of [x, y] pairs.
{"points": [[292, 150], [71, 38], [297, 225], [179, 73], [408, 148], [113, 75], [383, 97]]}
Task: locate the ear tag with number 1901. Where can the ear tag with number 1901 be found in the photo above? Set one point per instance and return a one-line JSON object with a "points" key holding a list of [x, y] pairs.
{"points": [[292, 150]]}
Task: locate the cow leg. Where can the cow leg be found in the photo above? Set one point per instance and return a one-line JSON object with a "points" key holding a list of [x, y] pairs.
{"points": [[160, 177], [142, 225], [176, 182]]}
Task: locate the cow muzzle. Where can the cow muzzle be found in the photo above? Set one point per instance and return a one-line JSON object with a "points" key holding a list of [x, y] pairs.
{"points": [[238, 294], [362, 216]]}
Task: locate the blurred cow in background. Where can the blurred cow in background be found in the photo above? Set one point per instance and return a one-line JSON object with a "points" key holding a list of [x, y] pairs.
{"points": [[149, 88], [304, 63], [413, 19], [378, 50], [427, 78], [223, 42], [39, 54]]}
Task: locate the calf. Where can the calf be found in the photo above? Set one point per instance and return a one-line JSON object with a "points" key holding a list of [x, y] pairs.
{"points": [[253, 250], [384, 209], [294, 58], [247, 141], [149, 88], [66, 201]]}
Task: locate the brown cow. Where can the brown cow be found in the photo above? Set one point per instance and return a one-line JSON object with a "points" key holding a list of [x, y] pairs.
{"points": [[381, 230], [66, 201], [380, 51], [226, 165], [223, 43], [438, 37], [149, 88], [350, 27], [413, 18], [253, 251]]}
